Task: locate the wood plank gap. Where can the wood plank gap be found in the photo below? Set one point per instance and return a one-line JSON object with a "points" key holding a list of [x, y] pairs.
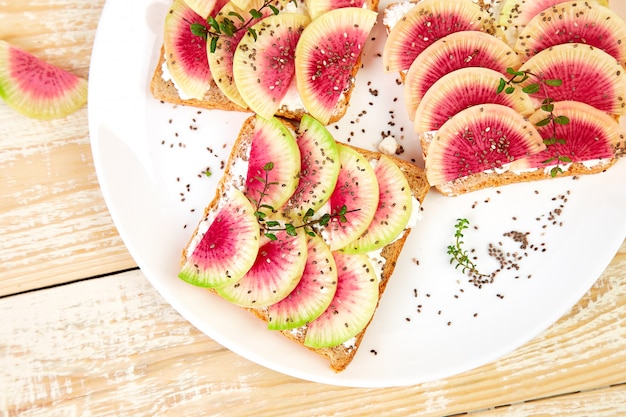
{"points": [[63, 284], [534, 400]]}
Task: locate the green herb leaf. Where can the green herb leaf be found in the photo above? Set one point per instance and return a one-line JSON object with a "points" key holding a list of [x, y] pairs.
{"points": [[532, 88], [215, 25], [543, 122], [228, 27], [253, 33], [459, 256], [273, 9], [515, 72], [237, 15], [256, 14], [553, 82], [561, 120], [501, 86], [555, 171], [290, 229], [323, 221], [213, 44], [199, 30]]}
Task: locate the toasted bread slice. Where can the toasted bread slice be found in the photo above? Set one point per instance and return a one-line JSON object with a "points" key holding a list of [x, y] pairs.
{"points": [[339, 356], [498, 178]]}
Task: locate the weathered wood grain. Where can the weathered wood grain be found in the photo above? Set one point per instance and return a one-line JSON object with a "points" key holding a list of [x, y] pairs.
{"points": [[53, 221], [602, 402], [112, 346]]}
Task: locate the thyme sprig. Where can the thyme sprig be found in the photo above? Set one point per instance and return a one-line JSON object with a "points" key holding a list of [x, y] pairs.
{"points": [[459, 255], [547, 105], [270, 226], [230, 24]]}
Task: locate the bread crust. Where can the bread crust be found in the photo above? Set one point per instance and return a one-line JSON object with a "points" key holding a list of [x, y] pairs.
{"points": [[340, 356]]}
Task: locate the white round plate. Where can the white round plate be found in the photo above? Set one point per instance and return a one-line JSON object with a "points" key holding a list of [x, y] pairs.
{"points": [[151, 159]]}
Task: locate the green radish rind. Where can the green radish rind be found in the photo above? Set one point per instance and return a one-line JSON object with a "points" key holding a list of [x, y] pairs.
{"points": [[352, 307], [328, 50], [314, 292], [36, 88], [357, 190], [264, 62], [276, 271], [185, 53], [395, 204], [319, 162], [227, 249], [272, 142]]}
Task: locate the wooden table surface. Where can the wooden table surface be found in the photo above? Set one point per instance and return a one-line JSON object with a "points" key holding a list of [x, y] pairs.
{"points": [[82, 331]]}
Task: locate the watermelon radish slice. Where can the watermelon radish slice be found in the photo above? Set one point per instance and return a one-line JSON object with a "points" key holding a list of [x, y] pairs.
{"points": [[455, 51], [352, 307], [274, 274], [326, 55], [590, 134], [575, 22], [221, 60], [478, 139], [588, 74], [185, 53], [314, 291], [263, 64], [36, 88], [269, 188], [357, 189], [427, 22], [318, 7], [226, 245], [205, 8], [319, 167], [520, 12], [395, 204], [461, 89]]}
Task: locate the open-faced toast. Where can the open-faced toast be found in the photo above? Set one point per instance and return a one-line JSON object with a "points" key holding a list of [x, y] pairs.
{"points": [[234, 82], [449, 69], [374, 259]]}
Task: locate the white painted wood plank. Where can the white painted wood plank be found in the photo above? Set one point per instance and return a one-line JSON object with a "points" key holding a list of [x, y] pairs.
{"points": [[112, 346], [54, 223]]}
